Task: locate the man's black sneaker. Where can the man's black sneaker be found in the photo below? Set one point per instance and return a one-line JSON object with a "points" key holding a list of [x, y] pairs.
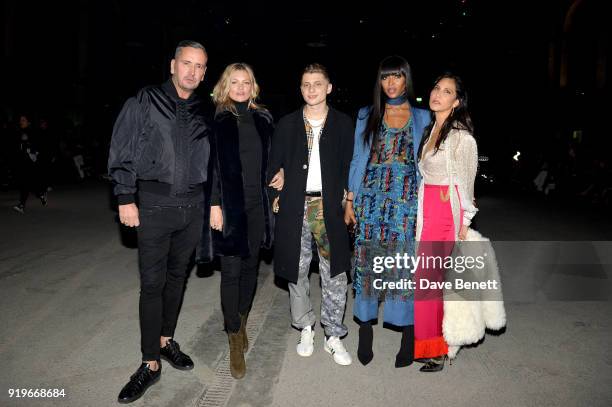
{"points": [[139, 383], [172, 353]]}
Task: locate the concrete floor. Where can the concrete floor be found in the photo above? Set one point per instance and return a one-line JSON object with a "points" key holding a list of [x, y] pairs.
{"points": [[69, 301]]}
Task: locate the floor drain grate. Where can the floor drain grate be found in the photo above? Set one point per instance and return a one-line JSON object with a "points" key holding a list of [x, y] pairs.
{"points": [[218, 394]]}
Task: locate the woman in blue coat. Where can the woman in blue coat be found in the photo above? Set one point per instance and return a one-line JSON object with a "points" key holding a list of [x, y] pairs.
{"points": [[382, 203]]}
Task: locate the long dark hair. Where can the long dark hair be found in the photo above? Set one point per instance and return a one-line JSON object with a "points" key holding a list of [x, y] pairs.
{"points": [[388, 66], [459, 119]]}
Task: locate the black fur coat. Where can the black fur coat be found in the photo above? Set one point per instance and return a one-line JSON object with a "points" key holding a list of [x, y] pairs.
{"points": [[232, 241]]}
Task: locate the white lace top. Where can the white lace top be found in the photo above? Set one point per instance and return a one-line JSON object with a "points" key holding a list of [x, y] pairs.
{"points": [[456, 162]]}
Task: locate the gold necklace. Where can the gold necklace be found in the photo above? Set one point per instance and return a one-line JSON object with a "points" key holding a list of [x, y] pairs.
{"points": [[324, 116]]}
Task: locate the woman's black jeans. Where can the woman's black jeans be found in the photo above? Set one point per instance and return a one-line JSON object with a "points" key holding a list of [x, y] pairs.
{"points": [[239, 275]]}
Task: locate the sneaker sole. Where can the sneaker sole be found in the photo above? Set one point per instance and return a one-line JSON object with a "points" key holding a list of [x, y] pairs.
{"points": [[328, 350], [305, 355], [127, 401]]}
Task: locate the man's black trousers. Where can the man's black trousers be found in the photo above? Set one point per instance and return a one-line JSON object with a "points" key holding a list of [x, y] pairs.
{"points": [[167, 237]]}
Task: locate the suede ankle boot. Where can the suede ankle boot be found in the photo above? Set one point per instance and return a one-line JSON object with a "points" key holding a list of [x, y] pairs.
{"points": [[237, 363], [243, 332]]}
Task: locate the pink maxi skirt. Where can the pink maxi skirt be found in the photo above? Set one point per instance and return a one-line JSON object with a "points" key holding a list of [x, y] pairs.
{"points": [[436, 242]]}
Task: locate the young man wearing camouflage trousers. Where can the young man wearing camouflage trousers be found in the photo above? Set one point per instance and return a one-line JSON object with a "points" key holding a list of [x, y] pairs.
{"points": [[314, 147]]}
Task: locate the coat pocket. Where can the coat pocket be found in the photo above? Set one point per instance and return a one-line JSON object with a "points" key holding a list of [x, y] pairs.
{"points": [[151, 154]]}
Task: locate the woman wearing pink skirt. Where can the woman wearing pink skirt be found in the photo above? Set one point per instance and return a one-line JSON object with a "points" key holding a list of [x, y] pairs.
{"points": [[448, 164]]}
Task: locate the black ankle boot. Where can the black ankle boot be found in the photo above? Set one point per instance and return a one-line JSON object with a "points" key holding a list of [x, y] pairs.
{"points": [[405, 356], [366, 337]]}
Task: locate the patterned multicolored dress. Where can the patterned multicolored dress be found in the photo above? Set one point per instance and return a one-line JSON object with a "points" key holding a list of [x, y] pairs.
{"points": [[386, 212]]}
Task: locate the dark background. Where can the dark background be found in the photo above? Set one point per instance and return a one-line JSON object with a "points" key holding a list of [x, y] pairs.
{"points": [[537, 71]]}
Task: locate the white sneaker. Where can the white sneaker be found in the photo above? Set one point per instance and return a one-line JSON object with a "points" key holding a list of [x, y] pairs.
{"points": [[334, 346], [305, 346]]}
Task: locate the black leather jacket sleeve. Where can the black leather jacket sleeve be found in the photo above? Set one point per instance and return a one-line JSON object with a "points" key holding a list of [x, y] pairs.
{"points": [[122, 157]]}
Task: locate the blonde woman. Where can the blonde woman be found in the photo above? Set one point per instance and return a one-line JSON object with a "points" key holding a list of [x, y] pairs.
{"points": [[240, 215]]}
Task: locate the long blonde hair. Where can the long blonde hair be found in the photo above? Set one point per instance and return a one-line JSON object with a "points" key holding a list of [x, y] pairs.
{"points": [[220, 94]]}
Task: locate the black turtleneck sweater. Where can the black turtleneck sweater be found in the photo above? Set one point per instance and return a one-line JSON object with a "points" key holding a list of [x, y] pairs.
{"points": [[250, 154], [249, 146]]}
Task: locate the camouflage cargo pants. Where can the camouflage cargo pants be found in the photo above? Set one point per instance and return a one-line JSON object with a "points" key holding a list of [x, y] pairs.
{"points": [[333, 290]]}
